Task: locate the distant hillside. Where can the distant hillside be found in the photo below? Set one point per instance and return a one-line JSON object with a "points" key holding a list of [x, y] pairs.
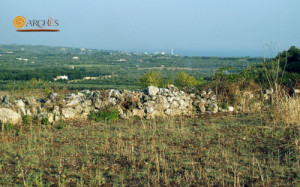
{"points": [[109, 69]]}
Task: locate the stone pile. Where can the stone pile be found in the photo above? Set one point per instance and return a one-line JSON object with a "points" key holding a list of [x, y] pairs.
{"points": [[153, 102]]}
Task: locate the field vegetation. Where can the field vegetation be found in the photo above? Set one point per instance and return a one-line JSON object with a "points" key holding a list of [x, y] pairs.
{"points": [[208, 151]]}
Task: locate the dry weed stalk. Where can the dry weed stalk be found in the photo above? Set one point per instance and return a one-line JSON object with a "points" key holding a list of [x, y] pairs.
{"points": [[287, 110], [272, 71]]}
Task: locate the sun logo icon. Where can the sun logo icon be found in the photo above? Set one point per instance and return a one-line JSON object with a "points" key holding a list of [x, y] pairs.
{"points": [[19, 22]]}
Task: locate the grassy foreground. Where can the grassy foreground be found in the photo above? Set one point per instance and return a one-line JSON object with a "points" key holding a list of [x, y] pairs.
{"points": [[211, 151]]}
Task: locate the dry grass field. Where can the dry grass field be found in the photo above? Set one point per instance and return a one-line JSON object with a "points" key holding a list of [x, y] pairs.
{"points": [[220, 150]]}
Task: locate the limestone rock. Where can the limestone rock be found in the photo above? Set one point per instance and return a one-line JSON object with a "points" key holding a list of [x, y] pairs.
{"points": [[149, 110], [68, 113], [30, 101], [20, 103], [114, 93], [139, 113], [54, 96], [48, 104], [9, 116], [230, 108], [202, 108], [56, 110], [98, 103], [152, 90], [72, 103]]}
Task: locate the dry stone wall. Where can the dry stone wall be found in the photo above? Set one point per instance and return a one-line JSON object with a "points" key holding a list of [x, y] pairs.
{"points": [[153, 102]]}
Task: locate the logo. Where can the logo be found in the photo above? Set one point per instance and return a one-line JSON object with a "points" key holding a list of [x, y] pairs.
{"points": [[19, 22], [35, 25]]}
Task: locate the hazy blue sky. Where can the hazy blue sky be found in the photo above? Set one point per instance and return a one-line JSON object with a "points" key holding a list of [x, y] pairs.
{"points": [[190, 27]]}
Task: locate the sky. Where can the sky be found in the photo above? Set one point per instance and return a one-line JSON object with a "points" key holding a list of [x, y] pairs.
{"points": [[190, 27]]}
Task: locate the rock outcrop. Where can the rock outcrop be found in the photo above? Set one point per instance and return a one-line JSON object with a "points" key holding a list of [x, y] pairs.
{"points": [[9, 116]]}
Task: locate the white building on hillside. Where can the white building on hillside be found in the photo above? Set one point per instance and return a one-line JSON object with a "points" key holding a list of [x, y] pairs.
{"points": [[63, 77], [121, 60], [90, 78]]}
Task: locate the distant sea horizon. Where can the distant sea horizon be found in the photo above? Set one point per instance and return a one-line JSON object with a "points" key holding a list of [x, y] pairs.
{"points": [[185, 52]]}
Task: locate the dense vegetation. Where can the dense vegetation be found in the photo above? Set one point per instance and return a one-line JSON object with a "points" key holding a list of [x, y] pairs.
{"points": [[290, 60]]}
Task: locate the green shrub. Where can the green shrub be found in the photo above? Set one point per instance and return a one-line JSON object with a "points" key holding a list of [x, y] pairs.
{"points": [[27, 120], [6, 127], [9, 129], [108, 114], [151, 78], [184, 80], [60, 125], [45, 121], [224, 106]]}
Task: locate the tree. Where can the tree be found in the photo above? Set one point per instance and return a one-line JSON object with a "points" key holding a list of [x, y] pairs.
{"points": [[151, 78], [183, 80], [290, 60]]}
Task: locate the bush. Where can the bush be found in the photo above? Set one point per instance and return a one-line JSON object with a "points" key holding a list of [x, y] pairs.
{"points": [[151, 78], [27, 120], [230, 84], [224, 106], [60, 125], [45, 121], [184, 80], [290, 60], [108, 114]]}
